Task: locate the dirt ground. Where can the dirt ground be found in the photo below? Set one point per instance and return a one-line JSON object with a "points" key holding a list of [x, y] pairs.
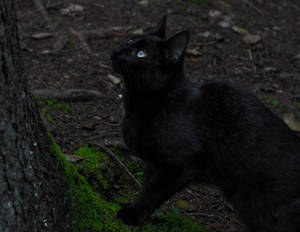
{"points": [[67, 45]]}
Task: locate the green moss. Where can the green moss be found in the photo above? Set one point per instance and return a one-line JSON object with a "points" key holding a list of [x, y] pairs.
{"points": [[92, 212], [47, 116], [53, 103]]}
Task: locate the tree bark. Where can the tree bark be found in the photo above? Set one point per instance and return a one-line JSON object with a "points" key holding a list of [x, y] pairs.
{"points": [[33, 189]]}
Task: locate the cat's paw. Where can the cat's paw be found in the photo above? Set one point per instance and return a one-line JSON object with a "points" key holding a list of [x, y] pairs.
{"points": [[129, 215]]}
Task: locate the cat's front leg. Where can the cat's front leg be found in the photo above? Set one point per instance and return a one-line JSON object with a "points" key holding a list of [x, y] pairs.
{"points": [[159, 187]]}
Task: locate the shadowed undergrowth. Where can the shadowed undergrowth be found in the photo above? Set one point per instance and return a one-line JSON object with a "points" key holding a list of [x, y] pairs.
{"points": [[98, 187]]}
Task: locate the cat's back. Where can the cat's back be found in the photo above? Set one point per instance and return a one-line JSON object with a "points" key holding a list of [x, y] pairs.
{"points": [[232, 104], [234, 121], [239, 126]]}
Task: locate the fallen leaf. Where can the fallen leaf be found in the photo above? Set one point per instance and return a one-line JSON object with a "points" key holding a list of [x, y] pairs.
{"points": [[270, 69], [240, 30], [291, 121], [251, 39], [98, 118], [75, 8], [247, 69], [42, 35], [215, 13], [74, 158], [224, 24], [45, 52], [182, 204], [114, 79], [144, 2], [186, 205], [138, 32], [205, 34], [193, 59], [193, 52]]}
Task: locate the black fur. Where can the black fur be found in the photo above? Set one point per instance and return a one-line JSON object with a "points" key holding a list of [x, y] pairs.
{"points": [[218, 134]]}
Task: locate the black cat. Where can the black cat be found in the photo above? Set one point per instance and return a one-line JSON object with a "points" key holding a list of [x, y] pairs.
{"points": [[218, 134]]}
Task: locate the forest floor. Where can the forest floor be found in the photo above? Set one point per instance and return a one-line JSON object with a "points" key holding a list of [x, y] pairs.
{"points": [[67, 44]]}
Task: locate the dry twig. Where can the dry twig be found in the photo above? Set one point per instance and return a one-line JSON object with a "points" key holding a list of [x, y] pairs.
{"points": [[83, 36], [44, 12], [250, 4], [201, 214], [119, 162]]}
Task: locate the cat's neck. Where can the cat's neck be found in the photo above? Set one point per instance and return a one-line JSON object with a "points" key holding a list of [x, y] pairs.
{"points": [[143, 103]]}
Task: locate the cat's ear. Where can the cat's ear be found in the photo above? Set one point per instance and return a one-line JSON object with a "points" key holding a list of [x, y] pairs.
{"points": [[176, 46], [160, 29]]}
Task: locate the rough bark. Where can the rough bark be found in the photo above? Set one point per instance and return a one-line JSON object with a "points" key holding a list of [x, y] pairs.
{"points": [[33, 189]]}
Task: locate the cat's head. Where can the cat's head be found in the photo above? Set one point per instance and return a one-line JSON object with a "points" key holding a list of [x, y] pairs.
{"points": [[149, 62]]}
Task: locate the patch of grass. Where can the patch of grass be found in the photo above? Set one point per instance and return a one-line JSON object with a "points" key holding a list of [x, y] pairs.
{"points": [[137, 170], [202, 1], [71, 43], [199, 1], [93, 212], [53, 103]]}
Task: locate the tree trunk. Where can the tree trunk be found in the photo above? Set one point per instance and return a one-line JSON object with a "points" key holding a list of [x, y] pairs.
{"points": [[33, 190]]}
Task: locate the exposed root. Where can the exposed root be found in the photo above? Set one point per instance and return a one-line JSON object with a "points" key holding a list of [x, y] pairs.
{"points": [[71, 94]]}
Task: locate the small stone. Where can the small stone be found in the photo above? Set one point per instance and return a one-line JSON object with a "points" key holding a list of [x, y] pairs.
{"points": [[237, 71], [113, 119], [64, 11], [240, 30]]}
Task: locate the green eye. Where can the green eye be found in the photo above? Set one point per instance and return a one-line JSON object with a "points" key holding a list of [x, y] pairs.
{"points": [[141, 54]]}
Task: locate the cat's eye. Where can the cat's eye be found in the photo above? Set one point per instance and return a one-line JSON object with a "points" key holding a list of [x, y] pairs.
{"points": [[141, 54]]}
